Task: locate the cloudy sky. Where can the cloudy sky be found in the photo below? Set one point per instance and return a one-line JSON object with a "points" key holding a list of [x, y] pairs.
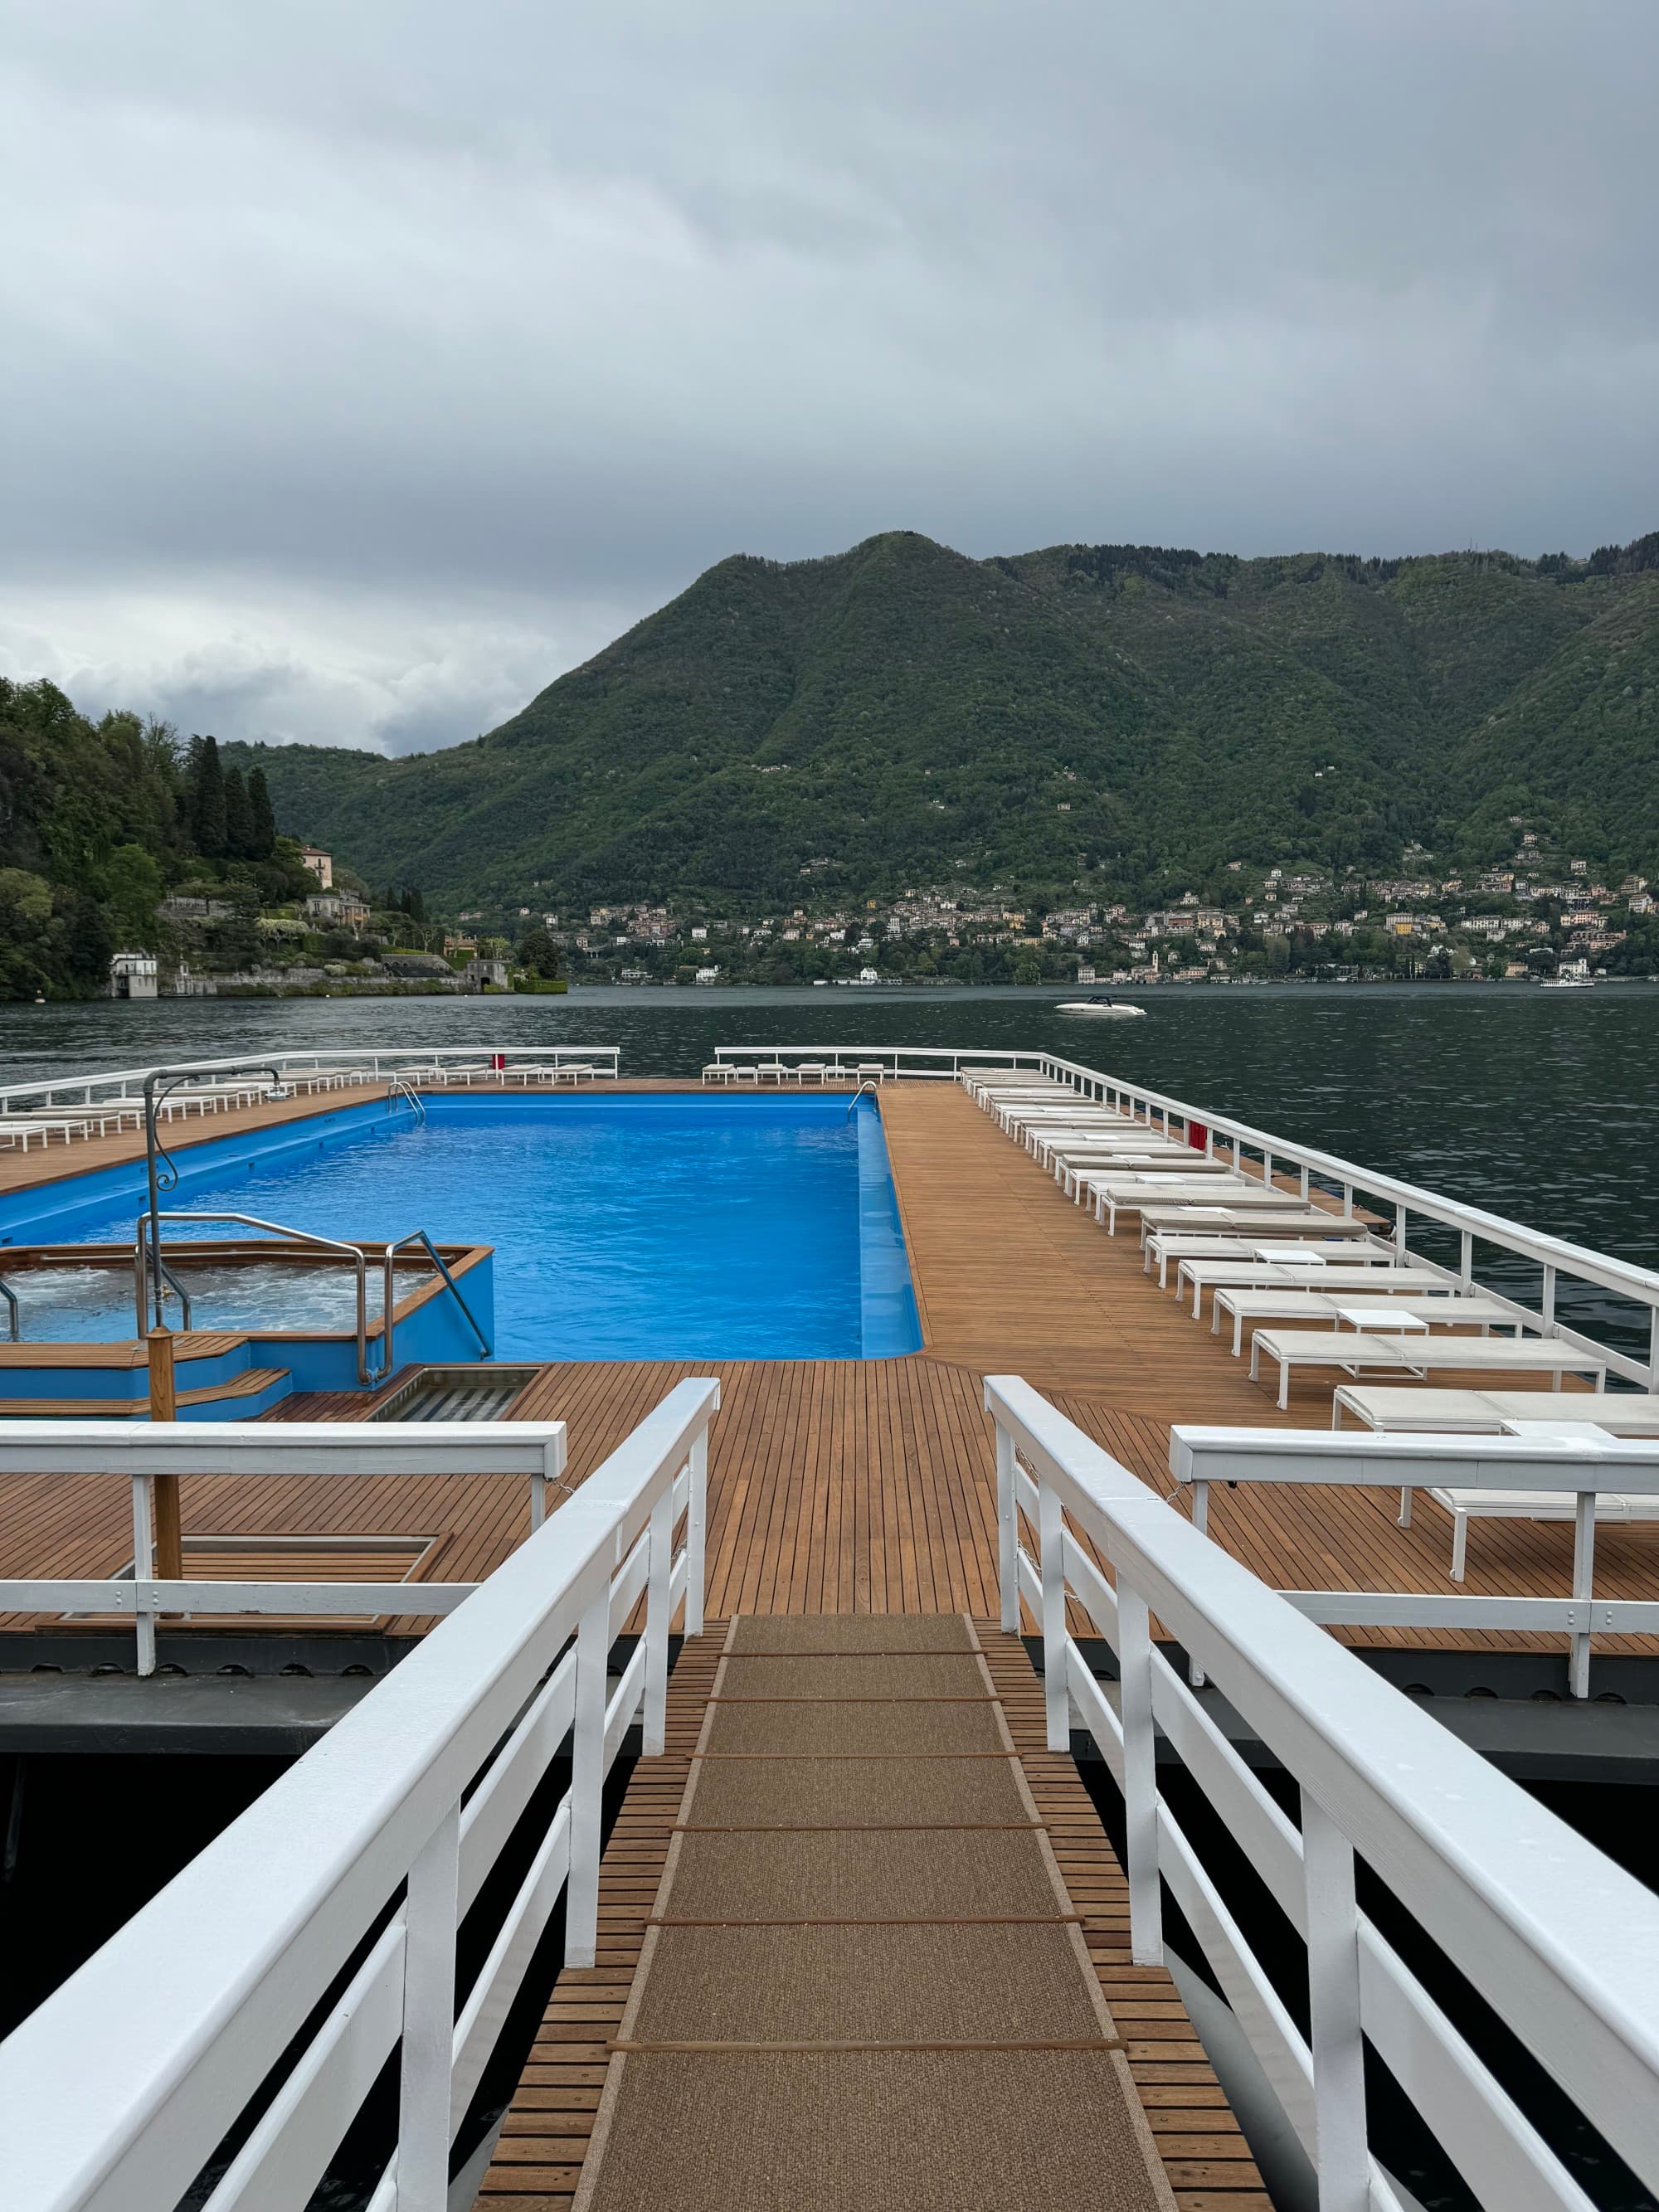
{"points": [[364, 366]]}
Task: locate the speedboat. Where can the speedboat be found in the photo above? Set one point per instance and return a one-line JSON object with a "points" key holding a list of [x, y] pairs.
{"points": [[1119, 1009]]}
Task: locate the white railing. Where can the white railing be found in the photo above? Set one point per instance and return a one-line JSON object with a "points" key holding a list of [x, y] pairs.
{"points": [[346, 1881], [1557, 1939], [374, 1067], [143, 1450], [912, 1061], [1581, 1468], [1343, 1179]]}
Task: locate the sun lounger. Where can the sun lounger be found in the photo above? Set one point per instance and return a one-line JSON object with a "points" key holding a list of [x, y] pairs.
{"points": [[1352, 1352], [1446, 1309], [1484, 1413], [1314, 1272], [81, 1122], [1078, 1173], [1070, 1170], [1220, 1220], [719, 1071], [1110, 1195], [1246, 1242], [211, 1098]]}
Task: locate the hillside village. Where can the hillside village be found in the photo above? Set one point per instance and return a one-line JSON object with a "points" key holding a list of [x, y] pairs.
{"points": [[1543, 913]]}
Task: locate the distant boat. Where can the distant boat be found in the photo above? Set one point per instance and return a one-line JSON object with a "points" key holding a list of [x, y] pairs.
{"points": [[1567, 983], [1113, 1009]]}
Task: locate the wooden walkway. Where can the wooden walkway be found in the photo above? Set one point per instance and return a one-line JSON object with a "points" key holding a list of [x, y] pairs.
{"points": [[543, 2148]]}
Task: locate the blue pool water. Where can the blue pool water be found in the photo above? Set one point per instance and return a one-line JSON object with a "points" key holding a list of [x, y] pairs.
{"points": [[638, 1227]]}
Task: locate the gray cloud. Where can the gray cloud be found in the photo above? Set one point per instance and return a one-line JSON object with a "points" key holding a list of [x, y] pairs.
{"points": [[363, 368]]}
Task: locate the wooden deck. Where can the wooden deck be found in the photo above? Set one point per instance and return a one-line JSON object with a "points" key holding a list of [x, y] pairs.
{"points": [[866, 1485]]}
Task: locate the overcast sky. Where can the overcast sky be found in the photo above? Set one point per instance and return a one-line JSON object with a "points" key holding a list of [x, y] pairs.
{"points": [[365, 363]]}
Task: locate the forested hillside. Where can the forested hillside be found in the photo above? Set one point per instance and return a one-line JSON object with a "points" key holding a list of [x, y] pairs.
{"points": [[901, 713], [98, 821]]}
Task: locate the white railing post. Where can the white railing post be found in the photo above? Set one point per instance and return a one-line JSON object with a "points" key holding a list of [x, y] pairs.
{"points": [[654, 1719], [552, 1470], [1056, 1697], [1341, 2157], [1653, 1349], [582, 1911], [1584, 1577], [1134, 1664], [697, 1527], [425, 2085], [143, 1570], [1007, 1533], [1400, 1232], [1466, 1260]]}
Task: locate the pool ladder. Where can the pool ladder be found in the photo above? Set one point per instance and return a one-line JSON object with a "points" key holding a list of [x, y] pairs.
{"points": [[10, 1297]]}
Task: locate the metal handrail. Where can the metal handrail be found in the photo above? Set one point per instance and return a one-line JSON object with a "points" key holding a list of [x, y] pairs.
{"points": [[869, 1083], [358, 1257], [419, 1236], [10, 1297]]}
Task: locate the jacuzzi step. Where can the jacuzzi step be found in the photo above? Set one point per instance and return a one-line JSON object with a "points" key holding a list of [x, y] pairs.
{"points": [[262, 1386]]}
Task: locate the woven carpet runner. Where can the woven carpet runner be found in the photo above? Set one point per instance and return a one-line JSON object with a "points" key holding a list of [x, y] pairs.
{"points": [[864, 1982]]}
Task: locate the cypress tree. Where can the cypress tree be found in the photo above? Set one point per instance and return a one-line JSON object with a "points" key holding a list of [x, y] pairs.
{"points": [[239, 818], [207, 809], [264, 817]]}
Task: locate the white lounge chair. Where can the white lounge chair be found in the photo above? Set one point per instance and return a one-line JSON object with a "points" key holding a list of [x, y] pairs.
{"points": [[1443, 1310], [1370, 1272], [1352, 1352], [719, 1071], [1629, 1508], [1390, 1409], [1259, 1222], [1246, 1242]]}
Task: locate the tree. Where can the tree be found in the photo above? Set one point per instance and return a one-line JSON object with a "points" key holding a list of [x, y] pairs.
{"points": [[264, 841], [207, 799], [538, 955], [132, 885], [87, 944], [239, 818]]}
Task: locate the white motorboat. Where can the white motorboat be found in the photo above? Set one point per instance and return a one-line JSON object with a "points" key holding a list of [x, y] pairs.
{"points": [[1568, 983], [1113, 1009]]}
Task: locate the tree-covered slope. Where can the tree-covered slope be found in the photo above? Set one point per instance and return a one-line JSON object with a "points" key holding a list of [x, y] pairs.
{"points": [[900, 712]]}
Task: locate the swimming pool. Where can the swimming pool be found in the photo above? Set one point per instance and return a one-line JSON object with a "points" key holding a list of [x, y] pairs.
{"points": [[627, 1227]]}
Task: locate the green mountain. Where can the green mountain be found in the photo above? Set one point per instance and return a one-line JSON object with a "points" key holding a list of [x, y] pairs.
{"points": [[900, 714]]}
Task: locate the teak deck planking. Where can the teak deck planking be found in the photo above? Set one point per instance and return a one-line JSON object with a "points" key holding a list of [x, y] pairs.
{"points": [[867, 1485]]}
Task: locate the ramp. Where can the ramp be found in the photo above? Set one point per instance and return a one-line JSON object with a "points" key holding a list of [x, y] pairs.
{"points": [[862, 1976]]}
